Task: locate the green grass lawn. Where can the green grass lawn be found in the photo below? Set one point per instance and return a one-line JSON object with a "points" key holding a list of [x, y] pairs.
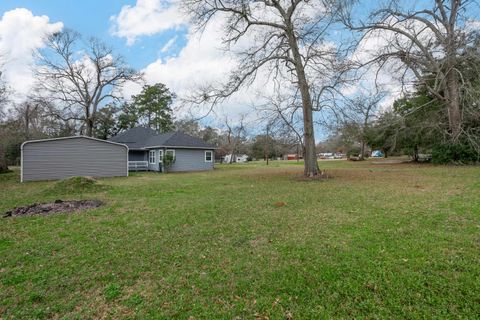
{"points": [[376, 241]]}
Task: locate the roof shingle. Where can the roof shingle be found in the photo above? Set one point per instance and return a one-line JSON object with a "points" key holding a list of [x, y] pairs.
{"points": [[144, 138]]}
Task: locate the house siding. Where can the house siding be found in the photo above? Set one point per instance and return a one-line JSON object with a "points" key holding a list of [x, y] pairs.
{"points": [[190, 160], [79, 156]]}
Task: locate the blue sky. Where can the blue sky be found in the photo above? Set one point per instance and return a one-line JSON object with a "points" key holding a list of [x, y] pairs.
{"points": [[141, 38], [92, 18], [146, 52], [140, 30]]}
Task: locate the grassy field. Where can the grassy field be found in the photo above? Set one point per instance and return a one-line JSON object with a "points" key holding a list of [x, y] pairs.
{"points": [[376, 241]]}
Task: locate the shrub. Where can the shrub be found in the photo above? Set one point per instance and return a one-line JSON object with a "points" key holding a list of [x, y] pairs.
{"points": [[454, 153], [168, 160], [353, 152]]}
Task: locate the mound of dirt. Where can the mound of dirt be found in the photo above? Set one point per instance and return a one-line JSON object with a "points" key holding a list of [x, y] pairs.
{"points": [[76, 185], [54, 207]]}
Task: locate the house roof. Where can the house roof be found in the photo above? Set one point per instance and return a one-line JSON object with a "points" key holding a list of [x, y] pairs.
{"points": [[145, 138], [134, 138]]}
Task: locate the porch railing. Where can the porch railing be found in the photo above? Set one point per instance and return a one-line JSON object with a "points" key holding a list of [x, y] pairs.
{"points": [[137, 165]]}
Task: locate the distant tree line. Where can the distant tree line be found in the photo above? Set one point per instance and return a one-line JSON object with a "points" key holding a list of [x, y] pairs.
{"points": [[78, 91], [418, 123]]}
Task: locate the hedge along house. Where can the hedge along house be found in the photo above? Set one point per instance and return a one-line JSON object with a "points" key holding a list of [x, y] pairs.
{"points": [[147, 149], [60, 158]]}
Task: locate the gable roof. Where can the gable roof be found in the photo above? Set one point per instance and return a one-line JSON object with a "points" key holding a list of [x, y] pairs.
{"points": [[134, 138], [177, 139], [145, 138]]}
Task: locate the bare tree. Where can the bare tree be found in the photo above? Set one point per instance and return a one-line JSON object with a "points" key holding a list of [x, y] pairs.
{"points": [[29, 113], [358, 114], [3, 96], [282, 113], [430, 43], [3, 100], [285, 39], [78, 79], [235, 134]]}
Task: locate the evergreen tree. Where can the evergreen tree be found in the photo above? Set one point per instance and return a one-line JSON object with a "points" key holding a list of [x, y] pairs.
{"points": [[154, 105]]}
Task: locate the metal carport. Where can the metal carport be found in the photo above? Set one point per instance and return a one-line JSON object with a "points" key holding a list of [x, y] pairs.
{"points": [[60, 158]]}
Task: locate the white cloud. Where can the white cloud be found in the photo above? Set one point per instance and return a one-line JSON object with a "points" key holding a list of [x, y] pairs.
{"points": [[147, 17], [201, 62], [198, 63], [472, 25], [21, 34]]}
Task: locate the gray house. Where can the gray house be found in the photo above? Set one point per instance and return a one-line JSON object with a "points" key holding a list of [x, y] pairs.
{"points": [[60, 158], [147, 148]]}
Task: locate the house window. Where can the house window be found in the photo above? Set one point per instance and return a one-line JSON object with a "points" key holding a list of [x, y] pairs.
{"points": [[208, 156], [160, 156], [151, 156], [170, 153]]}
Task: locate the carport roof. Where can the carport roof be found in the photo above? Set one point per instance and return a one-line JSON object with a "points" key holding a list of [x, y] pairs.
{"points": [[73, 137]]}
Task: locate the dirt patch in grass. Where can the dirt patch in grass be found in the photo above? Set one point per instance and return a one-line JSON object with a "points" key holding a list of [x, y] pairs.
{"points": [[320, 177], [279, 204], [55, 207], [259, 241]]}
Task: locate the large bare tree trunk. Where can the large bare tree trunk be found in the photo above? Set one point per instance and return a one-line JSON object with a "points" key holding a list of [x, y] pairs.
{"points": [[310, 158], [311, 165], [277, 27], [453, 105]]}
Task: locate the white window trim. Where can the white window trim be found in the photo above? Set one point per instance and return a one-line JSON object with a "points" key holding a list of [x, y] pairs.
{"points": [[173, 151], [150, 157], [160, 156], [211, 156]]}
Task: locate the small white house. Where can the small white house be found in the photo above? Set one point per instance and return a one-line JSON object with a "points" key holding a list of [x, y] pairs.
{"points": [[239, 158]]}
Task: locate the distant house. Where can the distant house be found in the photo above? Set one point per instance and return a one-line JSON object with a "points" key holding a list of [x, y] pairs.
{"points": [[239, 158], [326, 155], [147, 149], [292, 156]]}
